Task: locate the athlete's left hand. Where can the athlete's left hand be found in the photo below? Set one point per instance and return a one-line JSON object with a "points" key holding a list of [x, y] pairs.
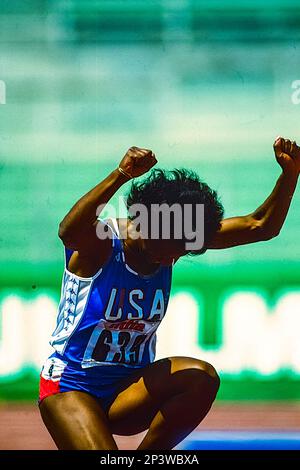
{"points": [[287, 155]]}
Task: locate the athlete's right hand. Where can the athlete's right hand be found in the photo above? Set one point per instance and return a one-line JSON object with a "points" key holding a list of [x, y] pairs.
{"points": [[137, 161]]}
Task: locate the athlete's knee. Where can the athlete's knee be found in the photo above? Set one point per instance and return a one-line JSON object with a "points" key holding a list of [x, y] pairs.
{"points": [[211, 374], [201, 377], [207, 379]]}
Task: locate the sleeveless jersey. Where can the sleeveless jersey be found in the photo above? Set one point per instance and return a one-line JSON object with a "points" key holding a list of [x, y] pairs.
{"points": [[110, 318]]}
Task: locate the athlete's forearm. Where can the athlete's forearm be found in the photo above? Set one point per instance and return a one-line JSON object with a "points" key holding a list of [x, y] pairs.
{"points": [[272, 213], [83, 213]]}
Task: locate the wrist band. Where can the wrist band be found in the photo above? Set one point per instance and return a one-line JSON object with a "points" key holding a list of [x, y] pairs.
{"points": [[124, 172]]}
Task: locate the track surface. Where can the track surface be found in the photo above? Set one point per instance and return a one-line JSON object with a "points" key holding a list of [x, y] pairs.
{"points": [[21, 427]]}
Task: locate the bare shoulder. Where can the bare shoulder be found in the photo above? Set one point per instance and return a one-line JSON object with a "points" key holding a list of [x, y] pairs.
{"points": [[86, 261]]}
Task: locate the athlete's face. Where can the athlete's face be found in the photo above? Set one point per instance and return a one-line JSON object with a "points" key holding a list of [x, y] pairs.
{"points": [[163, 251]]}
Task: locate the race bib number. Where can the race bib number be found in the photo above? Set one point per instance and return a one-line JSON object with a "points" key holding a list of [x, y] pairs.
{"points": [[119, 342]]}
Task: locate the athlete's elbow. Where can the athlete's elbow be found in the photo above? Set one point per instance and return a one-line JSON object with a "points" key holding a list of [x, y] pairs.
{"points": [[262, 231], [267, 233]]}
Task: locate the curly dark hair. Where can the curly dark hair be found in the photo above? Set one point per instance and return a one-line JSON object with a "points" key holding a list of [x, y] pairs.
{"points": [[181, 186]]}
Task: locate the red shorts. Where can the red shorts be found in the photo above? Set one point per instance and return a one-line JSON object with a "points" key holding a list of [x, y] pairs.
{"points": [[104, 383], [47, 388]]}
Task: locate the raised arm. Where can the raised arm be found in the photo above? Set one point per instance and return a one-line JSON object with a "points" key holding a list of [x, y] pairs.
{"points": [[266, 221], [78, 228]]}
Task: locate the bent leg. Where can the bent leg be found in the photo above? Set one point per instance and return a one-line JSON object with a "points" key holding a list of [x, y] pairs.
{"points": [[76, 421], [170, 397]]}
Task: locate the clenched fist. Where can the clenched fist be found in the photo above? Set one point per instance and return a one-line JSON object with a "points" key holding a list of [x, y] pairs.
{"points": [[287, 155], [137, 161]]}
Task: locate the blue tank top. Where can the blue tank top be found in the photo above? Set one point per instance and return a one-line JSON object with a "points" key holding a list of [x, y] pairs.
{"points": [[111, 318]]}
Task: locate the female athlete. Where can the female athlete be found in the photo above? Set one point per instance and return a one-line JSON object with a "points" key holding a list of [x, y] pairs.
{"points": [[102, 378]]}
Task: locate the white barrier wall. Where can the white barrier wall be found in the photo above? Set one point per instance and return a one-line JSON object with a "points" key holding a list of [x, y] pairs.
{"points": [[254, 336]]}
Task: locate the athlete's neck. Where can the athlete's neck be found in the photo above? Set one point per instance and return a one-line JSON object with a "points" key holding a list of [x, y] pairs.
{"points": [[134, 247]]}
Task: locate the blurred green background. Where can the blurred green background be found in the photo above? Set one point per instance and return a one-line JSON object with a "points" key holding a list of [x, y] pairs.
{"points": [[206, 85]]}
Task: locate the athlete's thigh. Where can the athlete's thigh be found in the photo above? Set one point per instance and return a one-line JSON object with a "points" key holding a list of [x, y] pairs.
{"points": [[142, 394], [75, 420]]}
